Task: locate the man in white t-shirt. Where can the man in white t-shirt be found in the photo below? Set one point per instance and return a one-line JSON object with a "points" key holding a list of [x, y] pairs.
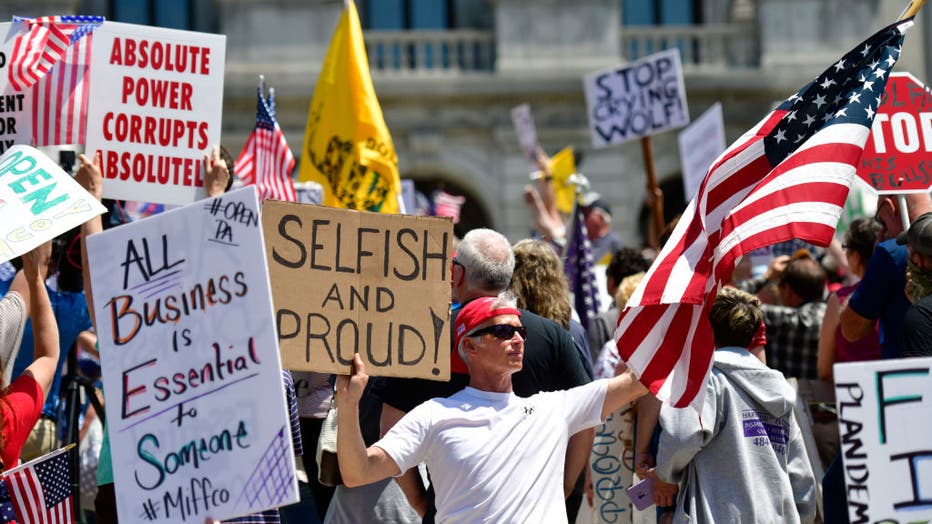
{"points": [[493, 456]]}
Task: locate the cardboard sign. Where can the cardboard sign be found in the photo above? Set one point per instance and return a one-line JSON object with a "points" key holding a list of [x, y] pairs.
{"points": [[15, 106], [196, 410], [38, 201], [155, 113], [700, 144], [523, 121], [346, 282], [884, 420], [641, 99]]}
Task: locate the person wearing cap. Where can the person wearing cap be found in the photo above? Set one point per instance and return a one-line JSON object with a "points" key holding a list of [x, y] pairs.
{"points": [[598, 216], [917, 324], [493, 456]]}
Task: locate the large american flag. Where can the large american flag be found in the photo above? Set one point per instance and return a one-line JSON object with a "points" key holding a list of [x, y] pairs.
{"points": [[38, 492], [580, 270], [266, 160], [51, 59], [785, 178]]}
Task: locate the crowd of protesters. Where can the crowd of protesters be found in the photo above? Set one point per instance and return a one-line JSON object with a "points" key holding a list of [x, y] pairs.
{"points": [[508, 437]]}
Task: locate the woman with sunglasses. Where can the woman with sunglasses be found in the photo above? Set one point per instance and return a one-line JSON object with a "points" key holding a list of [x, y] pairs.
{"points": [[493, 456], [862, 236]]}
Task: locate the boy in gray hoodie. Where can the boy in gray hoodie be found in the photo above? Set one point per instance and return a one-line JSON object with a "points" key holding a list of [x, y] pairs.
{"points": [[745, 460]]}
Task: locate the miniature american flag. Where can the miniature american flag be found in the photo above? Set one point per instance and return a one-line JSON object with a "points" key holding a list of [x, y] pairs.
{"points": [[580, 271], [38, 492], [266, 160]]}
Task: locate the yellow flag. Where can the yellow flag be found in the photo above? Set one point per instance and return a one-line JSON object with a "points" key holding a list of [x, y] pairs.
{"points": [[562, 165], [347, 148]]}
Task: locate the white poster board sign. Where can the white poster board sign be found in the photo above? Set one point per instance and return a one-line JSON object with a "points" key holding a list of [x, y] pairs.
{"points": [[15, 105], [612, 467], [700, 144], [38, 201], [156, 108], [643, 98], [523, 121], [884, 420], [195, 406]]}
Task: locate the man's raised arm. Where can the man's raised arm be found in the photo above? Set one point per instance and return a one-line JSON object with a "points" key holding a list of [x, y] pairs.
{"points": [[358, 465]]}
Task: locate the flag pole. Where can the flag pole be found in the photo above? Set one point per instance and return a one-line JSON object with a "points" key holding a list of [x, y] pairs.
{"points": [[912, 8], [647, 151]]}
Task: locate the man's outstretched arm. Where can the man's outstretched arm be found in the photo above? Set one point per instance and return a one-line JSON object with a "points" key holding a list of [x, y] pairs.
{"points": [[621, 391], [358, 465]]}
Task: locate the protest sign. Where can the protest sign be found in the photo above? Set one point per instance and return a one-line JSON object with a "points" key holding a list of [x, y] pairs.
{"points": [[15, 105], [38, 201], [641, 99], [898, 155], [155, 113], [612, 467], [346, 282], [195, 403], [700, 144], [523, 121], [884, 420]]}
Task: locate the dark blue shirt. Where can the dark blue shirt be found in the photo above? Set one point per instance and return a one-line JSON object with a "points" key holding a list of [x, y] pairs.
{"points": [[880, 294]]}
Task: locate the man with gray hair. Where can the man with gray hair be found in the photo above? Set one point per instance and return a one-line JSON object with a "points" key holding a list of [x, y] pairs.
{"points": [[482, 267]]}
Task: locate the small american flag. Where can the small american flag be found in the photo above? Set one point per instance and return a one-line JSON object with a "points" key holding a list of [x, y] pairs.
{"points": [[785, 178], [51, 59], [38, 492], [579, 268], [266, 160]]}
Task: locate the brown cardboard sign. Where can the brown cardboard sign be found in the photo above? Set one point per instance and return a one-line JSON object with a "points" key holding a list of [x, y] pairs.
{"points": [[347, 282]]}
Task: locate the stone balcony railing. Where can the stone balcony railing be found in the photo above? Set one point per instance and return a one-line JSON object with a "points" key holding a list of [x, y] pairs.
{"points": [[702, 47], [430, 53], [407, 54]]}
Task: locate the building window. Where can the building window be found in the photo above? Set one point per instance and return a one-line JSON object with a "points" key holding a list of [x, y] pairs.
{"points": [[660, 12], [193, 15], [398, 15]]}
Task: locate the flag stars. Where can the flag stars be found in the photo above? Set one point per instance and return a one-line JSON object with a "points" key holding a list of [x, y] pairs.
{"points": [[827, 83], [840, 65], [809, 120], [799, 138], [855, 97], [841, 112], [791, 116], [890, 61], [780, 136], [869, 85], [878, 73], [867, 49], [873, 64], [819, 101]]}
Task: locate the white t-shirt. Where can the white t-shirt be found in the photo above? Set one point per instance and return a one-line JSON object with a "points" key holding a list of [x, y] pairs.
{"points": [[495, 457]]}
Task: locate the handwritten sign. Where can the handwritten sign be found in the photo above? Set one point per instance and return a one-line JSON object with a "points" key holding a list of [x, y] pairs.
{"points": [[195, 404], [15, 106], [155, 112], [644, 98], [612, 466], [884, 420], [38, 201], [700, 144], [523, 121], [347, 282]]}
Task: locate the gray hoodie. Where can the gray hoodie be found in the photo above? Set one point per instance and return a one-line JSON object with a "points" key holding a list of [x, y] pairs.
{"points": [[745, 461]]}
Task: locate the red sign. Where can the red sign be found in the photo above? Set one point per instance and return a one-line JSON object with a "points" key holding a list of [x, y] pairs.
{"points": [[898, 154]]}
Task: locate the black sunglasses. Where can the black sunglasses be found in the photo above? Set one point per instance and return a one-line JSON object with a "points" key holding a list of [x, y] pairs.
{"points": [[502, 331]]}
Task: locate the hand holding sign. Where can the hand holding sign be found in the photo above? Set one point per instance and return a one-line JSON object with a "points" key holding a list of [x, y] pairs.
{"points": [[89, 176]]}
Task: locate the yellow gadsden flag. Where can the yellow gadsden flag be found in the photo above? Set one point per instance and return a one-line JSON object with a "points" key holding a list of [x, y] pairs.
{"points": [[347, 148], [562, 165]]}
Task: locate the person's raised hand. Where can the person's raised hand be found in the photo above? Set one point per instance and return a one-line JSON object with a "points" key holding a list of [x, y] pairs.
{"points": [[89, 175], [349, 388], [216, 173], [36, 262]]}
